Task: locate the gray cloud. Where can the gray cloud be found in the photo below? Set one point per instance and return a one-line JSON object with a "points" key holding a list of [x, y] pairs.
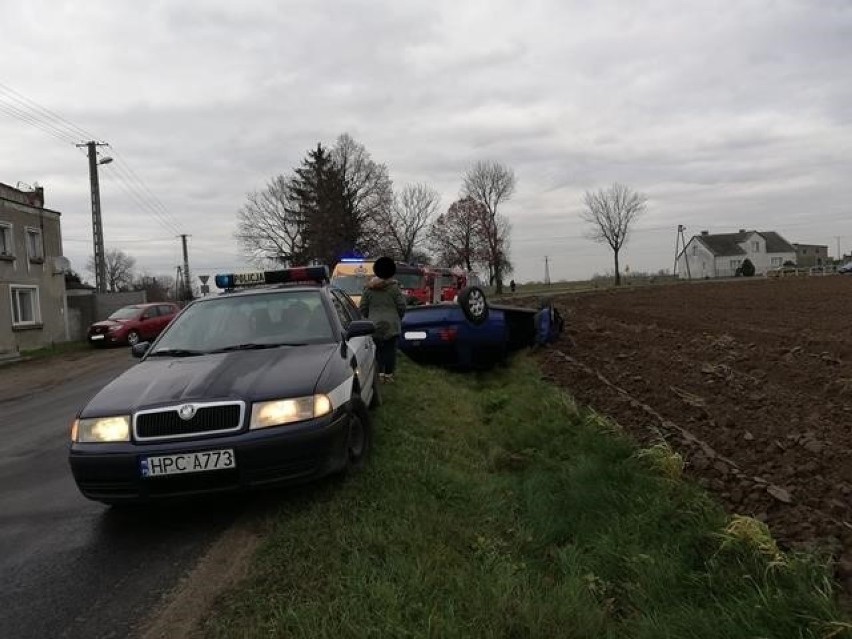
{"points": [[725, 115]]}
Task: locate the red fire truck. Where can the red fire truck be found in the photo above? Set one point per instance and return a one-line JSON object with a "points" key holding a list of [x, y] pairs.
{"points": [[421, 285]]}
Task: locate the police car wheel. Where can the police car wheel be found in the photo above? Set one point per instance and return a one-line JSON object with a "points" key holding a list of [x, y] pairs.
{"points": [[473, 304], [359, 439]]}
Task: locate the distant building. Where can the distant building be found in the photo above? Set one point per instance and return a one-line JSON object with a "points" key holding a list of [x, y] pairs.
{"points": [[811, 255], [32, 281], [721, 254]]}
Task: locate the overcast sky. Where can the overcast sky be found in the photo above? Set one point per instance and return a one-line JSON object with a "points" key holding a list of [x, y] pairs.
{"points": [[726, 114]]}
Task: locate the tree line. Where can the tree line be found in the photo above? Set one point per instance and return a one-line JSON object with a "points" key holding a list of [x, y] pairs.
{"points": [[122, 276], [339, 201]]}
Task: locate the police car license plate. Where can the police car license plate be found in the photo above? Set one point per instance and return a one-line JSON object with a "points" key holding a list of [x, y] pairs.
{"points": [[187, 463]]}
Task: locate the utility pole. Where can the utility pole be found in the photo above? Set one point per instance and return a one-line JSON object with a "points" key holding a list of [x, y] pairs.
{"points": [[680, 244], [839, 255], [97, 223], [677, 248], [546, 271], [178, 278], [186, 279]]}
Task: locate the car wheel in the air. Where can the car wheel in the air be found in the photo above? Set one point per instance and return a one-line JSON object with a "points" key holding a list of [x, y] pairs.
{"points": [[473, 304]]}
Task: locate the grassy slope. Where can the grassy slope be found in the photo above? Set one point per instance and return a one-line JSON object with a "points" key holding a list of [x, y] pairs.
{"points": [[491, 508]]}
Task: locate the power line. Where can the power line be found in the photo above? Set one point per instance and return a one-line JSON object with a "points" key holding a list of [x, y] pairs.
{"points": [[14, 112], [120, 176], [15, 104], [46, 113], [126, 165], [123, 241], [144, 206]]}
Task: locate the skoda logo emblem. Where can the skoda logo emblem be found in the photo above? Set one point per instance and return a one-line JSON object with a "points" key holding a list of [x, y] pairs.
{"points": [[186, 412]]}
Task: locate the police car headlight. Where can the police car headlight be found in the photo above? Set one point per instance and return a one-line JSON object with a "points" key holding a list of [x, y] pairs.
{"points": [[101, 430], [288, 411]]}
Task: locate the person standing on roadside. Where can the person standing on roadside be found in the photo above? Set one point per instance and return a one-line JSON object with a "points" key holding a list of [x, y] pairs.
{"points": [[384, 304]]}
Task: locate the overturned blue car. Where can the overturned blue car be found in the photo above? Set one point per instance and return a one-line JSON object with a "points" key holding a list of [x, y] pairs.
{"points": [[473, 334]]}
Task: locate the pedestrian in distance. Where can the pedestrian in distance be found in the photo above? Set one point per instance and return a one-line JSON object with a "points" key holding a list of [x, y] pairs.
{"points": [[512, 285], [384, 304]]}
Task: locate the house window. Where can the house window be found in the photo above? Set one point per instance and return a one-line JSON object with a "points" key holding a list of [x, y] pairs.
{"points": [[755, 247], [25, 306], [695, 250], [35, 250], [776, 261], [735, 263], [6, 246]]}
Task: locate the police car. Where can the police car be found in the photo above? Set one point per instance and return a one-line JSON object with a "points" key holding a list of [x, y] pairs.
{"points": [[267, 383]]}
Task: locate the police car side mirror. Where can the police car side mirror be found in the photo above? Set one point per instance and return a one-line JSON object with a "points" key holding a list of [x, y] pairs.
{"points": [[139, 350], [360, 328]]}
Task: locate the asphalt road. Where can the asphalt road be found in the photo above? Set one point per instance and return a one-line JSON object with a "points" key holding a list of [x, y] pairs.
{"points": [[74, 568]]}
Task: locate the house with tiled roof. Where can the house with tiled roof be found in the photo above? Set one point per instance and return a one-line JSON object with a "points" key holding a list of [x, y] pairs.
{"points": [[721, 254]]}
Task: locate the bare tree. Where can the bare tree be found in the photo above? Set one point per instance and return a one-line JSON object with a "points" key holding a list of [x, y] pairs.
{"points": [[270, 227], [119, 269], [455, 236], [494, 233], [491, 184], [327, 206], [402, 228], [367, 196], [610, 213], [158, 288]]}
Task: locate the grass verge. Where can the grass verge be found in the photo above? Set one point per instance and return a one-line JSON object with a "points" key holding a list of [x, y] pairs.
{"points": [[493, 508]]}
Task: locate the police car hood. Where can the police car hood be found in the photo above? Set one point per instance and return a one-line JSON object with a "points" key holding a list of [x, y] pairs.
{"points": [[255, 375]]}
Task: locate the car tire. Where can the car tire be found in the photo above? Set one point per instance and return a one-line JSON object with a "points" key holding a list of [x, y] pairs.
{"points": [[473, 304], [133, 338], [376, 399], [359, 439]]}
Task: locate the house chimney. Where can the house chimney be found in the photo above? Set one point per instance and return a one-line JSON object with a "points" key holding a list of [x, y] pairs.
{"points": [[705, 232], [39, 197]]}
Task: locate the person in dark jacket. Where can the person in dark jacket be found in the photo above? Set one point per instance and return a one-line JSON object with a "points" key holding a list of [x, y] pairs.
{"points": [[384, 304]]}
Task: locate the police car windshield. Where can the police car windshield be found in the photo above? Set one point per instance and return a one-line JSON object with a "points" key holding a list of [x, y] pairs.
{"points": [[350, 283], [232, 322]]}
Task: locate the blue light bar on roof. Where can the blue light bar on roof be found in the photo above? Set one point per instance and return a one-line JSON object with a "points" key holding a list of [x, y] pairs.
{"points": [[316, 274], [352, 260]]}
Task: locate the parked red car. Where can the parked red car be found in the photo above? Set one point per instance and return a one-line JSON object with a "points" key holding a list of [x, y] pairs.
{"points": [[133, 324]]}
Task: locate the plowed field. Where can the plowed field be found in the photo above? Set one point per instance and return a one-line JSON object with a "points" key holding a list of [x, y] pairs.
{"points": [[751, 381]]}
